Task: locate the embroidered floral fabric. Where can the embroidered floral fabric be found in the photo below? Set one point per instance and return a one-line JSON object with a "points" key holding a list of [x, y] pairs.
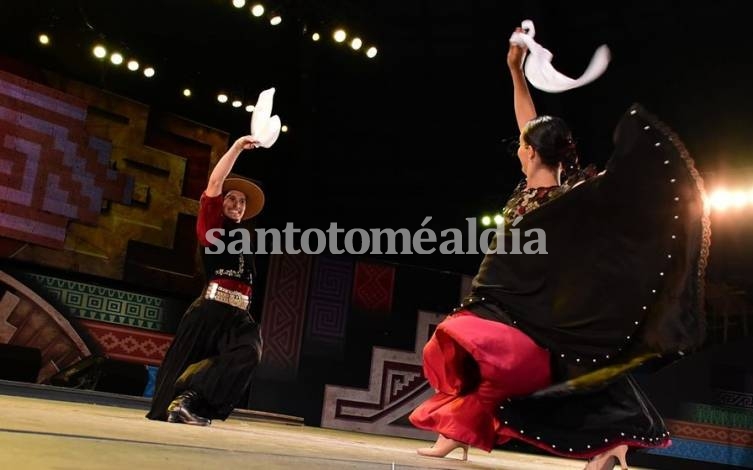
{"points": [[524, 200]]}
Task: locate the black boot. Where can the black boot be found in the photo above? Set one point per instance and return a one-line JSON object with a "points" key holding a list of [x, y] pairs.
{"points": [[179, 410]]}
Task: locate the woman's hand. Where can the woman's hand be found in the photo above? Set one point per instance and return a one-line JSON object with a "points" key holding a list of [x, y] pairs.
{"points": [[515, 54]]}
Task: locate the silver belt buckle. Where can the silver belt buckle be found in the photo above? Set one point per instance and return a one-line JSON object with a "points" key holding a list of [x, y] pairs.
{"points": [[226, 296], [211, 291]]}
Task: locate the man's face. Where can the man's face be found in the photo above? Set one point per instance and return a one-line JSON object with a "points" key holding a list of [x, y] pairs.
{"points": [[234, 205]]}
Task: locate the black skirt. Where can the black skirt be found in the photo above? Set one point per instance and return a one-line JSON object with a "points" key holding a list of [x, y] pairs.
{"points": [[214, 353], [620, 285]]}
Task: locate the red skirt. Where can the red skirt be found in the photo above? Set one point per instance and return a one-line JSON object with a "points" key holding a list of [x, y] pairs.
{"points": [[474, 365]]}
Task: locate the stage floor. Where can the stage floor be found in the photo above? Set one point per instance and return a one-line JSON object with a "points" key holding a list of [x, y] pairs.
{"points": [[42, 434]]}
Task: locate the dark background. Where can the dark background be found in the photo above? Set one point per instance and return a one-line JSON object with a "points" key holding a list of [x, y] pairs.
{"points": [[418, 130]]}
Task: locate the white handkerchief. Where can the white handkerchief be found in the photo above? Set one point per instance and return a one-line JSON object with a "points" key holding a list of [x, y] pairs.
{"points": [[264, 128], [538, 66]]}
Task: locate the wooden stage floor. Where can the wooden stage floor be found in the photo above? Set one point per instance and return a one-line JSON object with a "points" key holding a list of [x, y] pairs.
{"points": [[37, 433]]}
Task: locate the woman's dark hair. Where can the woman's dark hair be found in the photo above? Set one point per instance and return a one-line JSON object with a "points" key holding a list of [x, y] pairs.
{"points": [[552, 139]]}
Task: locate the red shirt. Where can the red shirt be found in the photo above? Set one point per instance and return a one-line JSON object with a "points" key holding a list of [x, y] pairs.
{"points": [[210, 216]]}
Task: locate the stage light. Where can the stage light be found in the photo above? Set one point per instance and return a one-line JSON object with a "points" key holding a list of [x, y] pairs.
{"points": [[44, 39], [486, 221], [371, 52], [133, 65], [149, 72], [257, 10], [222, 98], [99, 52], [237, 103], [187, 92], [284, 128], [315, 37], [356, 43], [722, 199], [498, 219], [239, 3], [275, 20], [340, 35], [116, 58], [250, 108]]}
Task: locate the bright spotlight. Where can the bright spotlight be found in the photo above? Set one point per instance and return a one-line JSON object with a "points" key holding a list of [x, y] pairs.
{"points": [[720, 200], [237, 103], [187, 92], [284, 128], [315, 37], [133, 65], [250, 108], [340, 35], [116, 58], [239, 3], [356, 43], [371, 52], [44, 39], [100, 52], [275, 20], [149, 72], [498, 219], [486, 221], [257, 10], [222, 98]]}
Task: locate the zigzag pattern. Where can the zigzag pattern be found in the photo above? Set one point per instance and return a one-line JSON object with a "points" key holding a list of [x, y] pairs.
{"points": [[710, 433], [283, 315], [129, 344]]}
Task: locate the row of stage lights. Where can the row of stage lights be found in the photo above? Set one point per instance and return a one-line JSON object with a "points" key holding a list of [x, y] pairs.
{"points": [[719, 200], [116, 58], [339, 35], [100, 51]]}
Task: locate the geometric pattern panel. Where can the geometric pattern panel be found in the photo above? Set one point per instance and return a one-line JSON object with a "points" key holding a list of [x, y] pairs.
{"points": [[719, 416], [129, 344], [328, 305], [373, 287], [707, 452], [396, 387], [51, 170], [283, 315], [93, 302], [26, 319], [735, 399], [150, 148], [710, 433]]}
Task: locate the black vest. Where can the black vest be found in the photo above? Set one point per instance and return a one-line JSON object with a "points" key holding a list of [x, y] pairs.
{"points": [[236, 266]]}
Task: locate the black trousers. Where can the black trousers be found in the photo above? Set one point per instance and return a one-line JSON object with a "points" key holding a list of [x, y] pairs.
{"points": [[214, 353]]}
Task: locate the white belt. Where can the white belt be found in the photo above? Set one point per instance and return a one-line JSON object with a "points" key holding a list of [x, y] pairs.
{"points": [[226, 296]]}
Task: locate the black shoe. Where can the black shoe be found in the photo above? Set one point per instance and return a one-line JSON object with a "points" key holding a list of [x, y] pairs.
{"points": [[179, 410]]}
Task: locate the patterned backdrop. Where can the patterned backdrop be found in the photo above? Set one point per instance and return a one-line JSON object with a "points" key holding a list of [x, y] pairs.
{"points": [[283, 315], [328, 306], [104, 304], [51, 170]]}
